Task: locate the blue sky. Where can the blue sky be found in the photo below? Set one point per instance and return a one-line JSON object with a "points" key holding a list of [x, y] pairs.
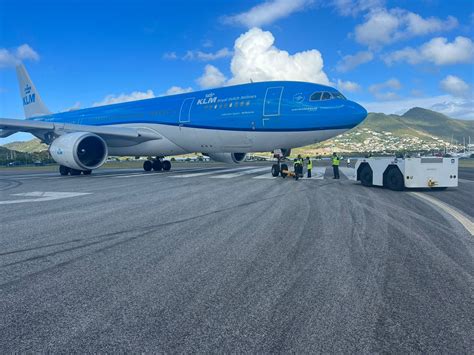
{"points": [[387, 55]]}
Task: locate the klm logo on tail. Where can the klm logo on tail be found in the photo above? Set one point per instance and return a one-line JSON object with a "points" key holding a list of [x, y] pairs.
{"points": [[29, 97]]}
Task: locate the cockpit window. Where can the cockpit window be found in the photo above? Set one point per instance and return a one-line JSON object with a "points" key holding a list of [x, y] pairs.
{"points": [[326, 96], [316, 96], [338, 95]]}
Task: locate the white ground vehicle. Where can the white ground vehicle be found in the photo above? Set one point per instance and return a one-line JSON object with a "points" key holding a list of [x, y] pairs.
{"points": [[399, 173]]}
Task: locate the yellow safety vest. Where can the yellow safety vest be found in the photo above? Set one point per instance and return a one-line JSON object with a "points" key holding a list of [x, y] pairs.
{"points": [[310, 165], [335, 161]]}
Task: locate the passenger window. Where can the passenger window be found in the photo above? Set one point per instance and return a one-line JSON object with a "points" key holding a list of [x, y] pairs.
{"points": [[316, 96], [326, 96]]}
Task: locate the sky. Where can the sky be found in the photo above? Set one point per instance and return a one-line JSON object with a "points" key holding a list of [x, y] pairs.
{"points": [[387, 55]]}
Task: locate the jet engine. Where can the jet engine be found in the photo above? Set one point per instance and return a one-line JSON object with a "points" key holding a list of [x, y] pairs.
{"points": [[229, 158], [79, 150]]}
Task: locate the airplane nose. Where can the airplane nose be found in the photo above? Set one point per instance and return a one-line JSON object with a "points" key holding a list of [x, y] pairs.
{"points": [[360, 113]]}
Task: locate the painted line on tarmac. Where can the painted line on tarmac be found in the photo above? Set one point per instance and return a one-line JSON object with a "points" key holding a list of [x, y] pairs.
{"points": [[30, 177], [348, 172], [39, 196], [241, 173], [460, 217], [265, 176], [319, 172], [465, 180], [153, 173], [209, 172]]}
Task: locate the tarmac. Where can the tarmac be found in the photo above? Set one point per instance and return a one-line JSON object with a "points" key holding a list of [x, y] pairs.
{"points": [[218, 259]]}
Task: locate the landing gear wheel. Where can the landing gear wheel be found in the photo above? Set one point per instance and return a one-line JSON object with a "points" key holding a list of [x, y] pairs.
{"points": [[64, 170], [157, 165], [275, 170], [166, 165], [75, 172], [284, 167], [366, 176], [395, 180], [87, 172], [147, 165]]}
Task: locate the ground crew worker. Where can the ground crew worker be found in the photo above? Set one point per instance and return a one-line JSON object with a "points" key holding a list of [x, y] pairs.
{"points": [[309, 166], [335, 165], [297, 168], [348, 162], [301, 162]]}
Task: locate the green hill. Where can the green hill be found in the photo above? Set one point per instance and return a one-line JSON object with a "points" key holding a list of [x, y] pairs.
{"points": [[10, 156], [417, 129], [420, 122], [31, 146], [438, 124]]}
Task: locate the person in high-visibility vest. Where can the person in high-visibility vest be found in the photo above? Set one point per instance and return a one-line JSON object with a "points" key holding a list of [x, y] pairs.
{"points": [[309, 166], [301, 162], [335, 165], [297, 168]]}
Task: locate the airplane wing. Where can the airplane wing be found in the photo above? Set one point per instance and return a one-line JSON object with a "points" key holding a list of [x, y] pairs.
{"points": [[49, 130]]}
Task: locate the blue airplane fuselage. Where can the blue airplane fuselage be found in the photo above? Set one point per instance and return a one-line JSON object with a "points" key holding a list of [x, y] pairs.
{"points": [[250, 117]]}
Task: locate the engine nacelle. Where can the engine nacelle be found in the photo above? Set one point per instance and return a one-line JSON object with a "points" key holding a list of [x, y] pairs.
{"points": [[79, 150], [229, 158]]}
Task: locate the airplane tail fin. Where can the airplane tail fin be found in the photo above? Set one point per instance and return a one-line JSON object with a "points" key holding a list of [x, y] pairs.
{"points": [[32, 103]]}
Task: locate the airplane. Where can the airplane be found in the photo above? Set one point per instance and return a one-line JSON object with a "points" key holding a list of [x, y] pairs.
{"points": [[223, 123]]}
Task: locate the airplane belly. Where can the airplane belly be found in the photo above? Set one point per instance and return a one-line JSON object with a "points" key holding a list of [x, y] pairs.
{"points": [[181, 140]]}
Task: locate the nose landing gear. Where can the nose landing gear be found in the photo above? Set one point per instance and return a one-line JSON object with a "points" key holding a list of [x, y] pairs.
{"points": [[280, 169]]}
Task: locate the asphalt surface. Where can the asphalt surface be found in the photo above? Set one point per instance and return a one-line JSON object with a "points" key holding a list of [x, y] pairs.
{"points": [[192, 261]]}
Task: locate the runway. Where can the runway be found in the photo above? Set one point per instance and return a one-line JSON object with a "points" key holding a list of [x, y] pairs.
{"points": [[210, 258]]}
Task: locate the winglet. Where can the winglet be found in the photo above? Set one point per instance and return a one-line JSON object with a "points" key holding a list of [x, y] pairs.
{"points": [[32, 103]]}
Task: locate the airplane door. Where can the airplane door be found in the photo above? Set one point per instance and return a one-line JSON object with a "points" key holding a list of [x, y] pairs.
{"points": [[271, 106], [185, 111]]}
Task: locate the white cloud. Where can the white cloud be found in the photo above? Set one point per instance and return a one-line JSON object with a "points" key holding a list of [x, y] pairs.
{"points": [[354, 7], [211, 78], [456, 108], [441, 52], [76, 106], [199, 55], [12, 57], [384, 26], [455, 86], [113, 99], [26, 52], [378, 29], [445, 104], [170, 56], [174, 90], [437, 51], [417, 26], [256, 58], [207, 43], [348, 86], [408, 54], [267, 12], [350, 62], [386, 91]]}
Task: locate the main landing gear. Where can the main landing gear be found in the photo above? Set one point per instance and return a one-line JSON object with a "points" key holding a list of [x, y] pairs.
{"points": [[64, 171], [157, 164]]}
